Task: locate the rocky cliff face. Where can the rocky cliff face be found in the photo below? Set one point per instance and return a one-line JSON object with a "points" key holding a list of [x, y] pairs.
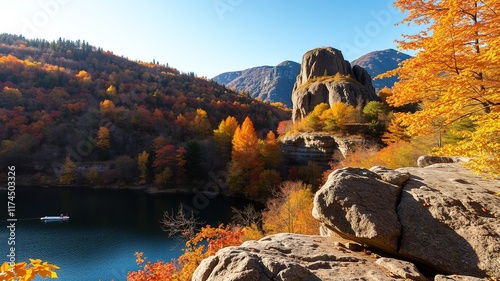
{"points": [[325, 63], [319, 148], [269, 83]]}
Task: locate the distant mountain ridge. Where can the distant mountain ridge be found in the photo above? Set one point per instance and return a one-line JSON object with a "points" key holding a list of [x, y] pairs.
{"points": [[378, 62], [275, 84], [265, 82]]}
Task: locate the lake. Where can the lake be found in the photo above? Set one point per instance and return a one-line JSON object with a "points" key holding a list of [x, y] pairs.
{"points": [[106, 228]]}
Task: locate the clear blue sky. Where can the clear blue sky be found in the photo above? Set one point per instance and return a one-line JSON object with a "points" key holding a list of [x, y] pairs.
{"points": [[209, 37]]}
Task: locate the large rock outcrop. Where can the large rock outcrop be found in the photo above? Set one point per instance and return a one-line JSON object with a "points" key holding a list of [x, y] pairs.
{"points": [[297, 257], [316, 83], [299, 149], [440, 216]]}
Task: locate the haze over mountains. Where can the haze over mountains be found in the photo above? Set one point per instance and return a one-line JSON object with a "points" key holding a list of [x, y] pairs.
{"points": [[378, 62], [275, 84], [265, 82]]}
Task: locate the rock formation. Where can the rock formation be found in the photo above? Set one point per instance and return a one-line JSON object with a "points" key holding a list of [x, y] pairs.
{"points": [[441, 216], [291, 257], [299, 149], [325, 63]]}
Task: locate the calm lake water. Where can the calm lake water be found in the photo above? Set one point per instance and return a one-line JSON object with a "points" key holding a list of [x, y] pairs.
{"points": [[105, 230]]}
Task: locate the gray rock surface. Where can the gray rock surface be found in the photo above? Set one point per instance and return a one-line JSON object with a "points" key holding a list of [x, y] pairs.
{"points": [[321, 149], [350, 204], [318, 62], [456, 278], [291, 257], [424, 161], [400, 268], [446, 217]]}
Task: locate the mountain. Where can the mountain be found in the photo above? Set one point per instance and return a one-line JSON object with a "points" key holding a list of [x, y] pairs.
{"points": [[268, 83], [378, 62], [67, 99], [275, 84]]}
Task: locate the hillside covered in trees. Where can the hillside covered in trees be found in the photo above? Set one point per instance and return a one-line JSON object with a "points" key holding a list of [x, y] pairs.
{"points": [[72, 113]]}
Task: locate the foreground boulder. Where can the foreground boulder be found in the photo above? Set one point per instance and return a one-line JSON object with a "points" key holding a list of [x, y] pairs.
{"points": [[444, 217], [293, 257]]}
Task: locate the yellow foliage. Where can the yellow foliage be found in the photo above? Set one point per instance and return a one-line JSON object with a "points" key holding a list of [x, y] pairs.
{"points": [[338, 116], [12, 92], [200, 126], [454, 75], [103, 138], [83, 76], [142, 161], [107, 106], [291, 211], [396, 155], [111, 91], [27, 271], [223, 136], [326, 118], [251, 233], [69, 172]]}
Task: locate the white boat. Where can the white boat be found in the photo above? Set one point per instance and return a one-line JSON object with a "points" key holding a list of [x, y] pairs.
{"points": [[54, 218]]}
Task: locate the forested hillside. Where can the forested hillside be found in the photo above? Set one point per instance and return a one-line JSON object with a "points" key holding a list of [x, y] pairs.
{"points": [[67, 105]]}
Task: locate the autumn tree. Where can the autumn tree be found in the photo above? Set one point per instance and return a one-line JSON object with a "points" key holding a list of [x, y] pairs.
{"points": [[245, 162], [142, 163], [270, 151], [111, 91], [107, 107], [337, 116], [164, 164], [290, 210], [453, 76], [69, 172], [223, 137], [203, 244], [103, 138], [200, 126]]}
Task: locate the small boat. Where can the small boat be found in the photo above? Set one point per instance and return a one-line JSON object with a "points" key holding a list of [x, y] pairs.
{"points": [[55, 218]]}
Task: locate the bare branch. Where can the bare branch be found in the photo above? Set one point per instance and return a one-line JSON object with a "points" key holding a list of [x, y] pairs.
{"points": [[247, 216], [180, 223]]}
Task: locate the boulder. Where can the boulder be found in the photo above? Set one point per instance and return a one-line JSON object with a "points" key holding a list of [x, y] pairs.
{"points": [[445, 217], [325, 63], [350, 204], [294, 257]]}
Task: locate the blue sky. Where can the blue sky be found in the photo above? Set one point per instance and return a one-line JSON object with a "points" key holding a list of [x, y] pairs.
{"points": [[209, 37]]}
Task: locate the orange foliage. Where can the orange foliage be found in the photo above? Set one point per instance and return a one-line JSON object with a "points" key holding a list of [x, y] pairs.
{"points": [[246, 164], [203, 245], [395, 155], [26, 272], [107, 107], [83, 76], [290, 211], [151, 271]]}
